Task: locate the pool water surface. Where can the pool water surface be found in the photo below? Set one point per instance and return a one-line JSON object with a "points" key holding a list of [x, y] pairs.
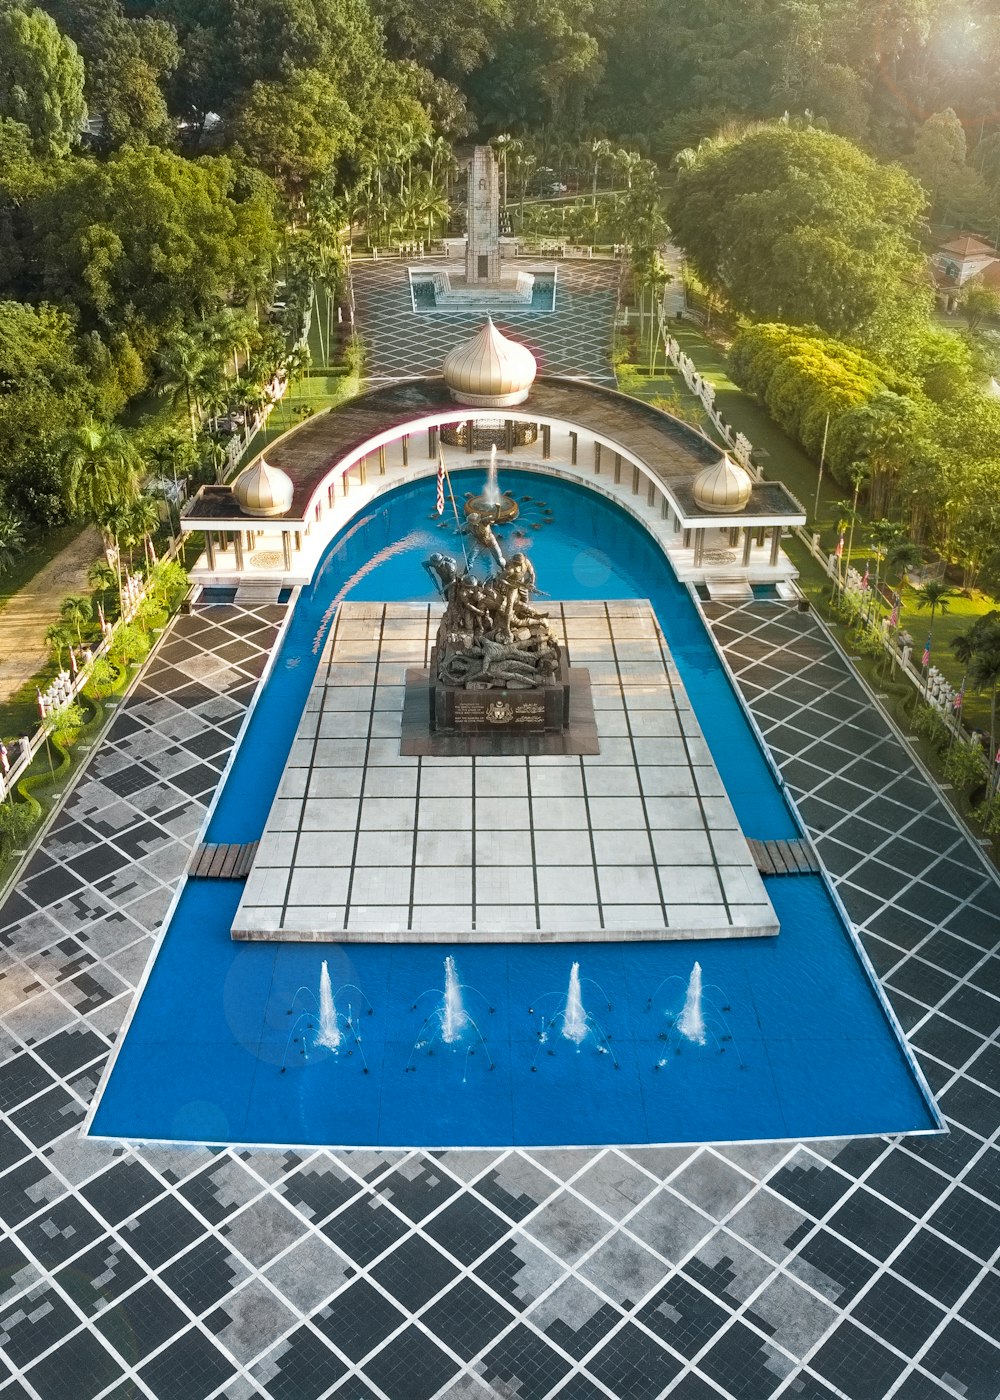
{"points": [[235, 1042]]}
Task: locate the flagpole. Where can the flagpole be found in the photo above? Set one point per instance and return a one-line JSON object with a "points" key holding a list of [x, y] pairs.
{"points": [[451, 493], [822, 458]]}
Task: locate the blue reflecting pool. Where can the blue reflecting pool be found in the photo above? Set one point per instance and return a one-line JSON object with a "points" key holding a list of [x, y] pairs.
{"points": [[346, 1045]]}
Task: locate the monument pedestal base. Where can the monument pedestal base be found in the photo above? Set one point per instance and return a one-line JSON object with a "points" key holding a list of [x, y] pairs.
{"points": [[555, 719]]}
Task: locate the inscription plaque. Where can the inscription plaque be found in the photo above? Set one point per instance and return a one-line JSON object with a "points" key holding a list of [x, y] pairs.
{"points": [[466, 710]]}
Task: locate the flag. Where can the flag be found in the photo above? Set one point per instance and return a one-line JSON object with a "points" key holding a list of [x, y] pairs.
{"points": [[42, 707], [894, 615], [927, 654], [4, 760], [864, 580], [72, 660], [839, 551], [956, 704], [440, 483]]}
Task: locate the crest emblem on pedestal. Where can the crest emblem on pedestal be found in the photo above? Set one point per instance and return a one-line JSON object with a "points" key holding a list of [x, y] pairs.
{"points": [[499, 712]]}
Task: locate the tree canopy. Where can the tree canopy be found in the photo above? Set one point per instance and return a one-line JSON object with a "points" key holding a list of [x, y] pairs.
{"points": [[41, 79], [802, 226]]}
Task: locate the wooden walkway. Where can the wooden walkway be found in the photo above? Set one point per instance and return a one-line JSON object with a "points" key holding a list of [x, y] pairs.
{"points": [[784, 857], [222, 862]]}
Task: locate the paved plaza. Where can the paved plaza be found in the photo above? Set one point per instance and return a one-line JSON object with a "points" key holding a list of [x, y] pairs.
{"points": [[573, 340], [638, 841], [862, 1268]]}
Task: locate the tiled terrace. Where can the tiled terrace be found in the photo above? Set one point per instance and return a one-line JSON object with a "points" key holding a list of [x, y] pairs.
{"points": [[859, 1268]]}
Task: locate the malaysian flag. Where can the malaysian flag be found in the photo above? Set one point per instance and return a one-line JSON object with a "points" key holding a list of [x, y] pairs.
{"points": [[839, 551], [959, 699], [440, 483], [4, 760], [894, 615], [927, 654], [43, 708], [864, 580]]}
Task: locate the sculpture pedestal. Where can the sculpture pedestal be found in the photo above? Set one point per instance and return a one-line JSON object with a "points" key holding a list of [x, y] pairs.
{"points": [[469, 710], [448, 721]]}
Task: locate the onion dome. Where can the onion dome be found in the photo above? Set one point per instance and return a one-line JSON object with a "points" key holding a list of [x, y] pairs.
{"points": [[263, 490], [724, 487], [489, 371]]}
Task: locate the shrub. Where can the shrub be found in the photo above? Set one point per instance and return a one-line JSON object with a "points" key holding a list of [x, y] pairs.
{"points": [[966, 765]]}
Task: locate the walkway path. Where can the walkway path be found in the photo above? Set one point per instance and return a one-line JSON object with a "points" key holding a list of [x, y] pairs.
{"points": [[33, 609]]}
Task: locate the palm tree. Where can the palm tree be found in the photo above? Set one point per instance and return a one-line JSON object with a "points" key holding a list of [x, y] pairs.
{"points": [[100, 466], [857, 473], [881, 535], [903, 555], [185, 371], [934, 595], [144, 517], [76, 611], [57, 639], [12, 541], [600, 151]]}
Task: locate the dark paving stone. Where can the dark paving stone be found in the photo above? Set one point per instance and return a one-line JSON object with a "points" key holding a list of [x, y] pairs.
{"points": [[632, 1366], [467, 1229], [59, 1232], [358, 1319], [319, 1189], [870, 1223], [897, 926], [161, 1231], [301, 1368], [810, 1185], [21, 1078], [847, 1270], [946, 1041], [683, 1316], [204, 1275], [898, 1314], [961, 1356], [920, 1387], [365, 1229], [806, 1386], [414, 1272], [71, 1049], [950, 1151], [411, 1365], [32, 1324], [973, 1008], [691, 1387], [969, 1222], [986, 1067], [525, 1363], [883, 956], [972, 1106], [982, 1307], [467, 1318], [121, 1191], [984, 1175], [23, 1189], [81, 1368], [96, 1278], [987, 976], [419, 1189], [189, 1369], [955, 955], [908, 1182], [13, 1148], [921, 981], [857, 1364], [141, 1322], [745, 1365], [936, 1267]]}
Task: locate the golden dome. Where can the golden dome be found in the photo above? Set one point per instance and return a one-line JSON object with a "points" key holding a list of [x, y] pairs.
{"points": [[263, 490], [489, 371], [724, 487]]}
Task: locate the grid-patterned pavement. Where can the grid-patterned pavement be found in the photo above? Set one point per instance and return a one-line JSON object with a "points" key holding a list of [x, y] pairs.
{"points": [[858, 1268], [573, 340], [639, 840]]}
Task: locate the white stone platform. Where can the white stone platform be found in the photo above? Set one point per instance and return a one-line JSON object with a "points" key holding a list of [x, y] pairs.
{"points": [[639, 842]]}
